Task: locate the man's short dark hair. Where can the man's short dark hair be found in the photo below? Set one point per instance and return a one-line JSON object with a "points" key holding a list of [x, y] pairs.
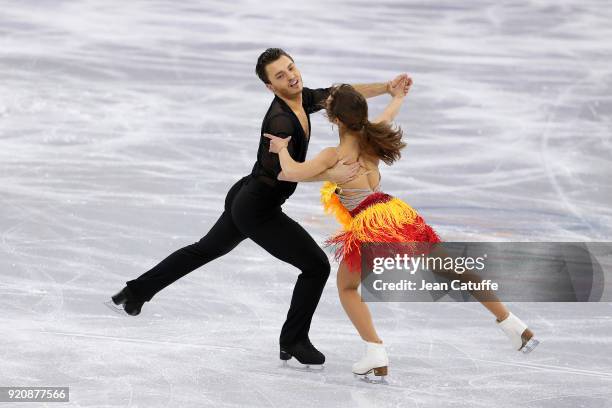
{"points": [[267, 57]]}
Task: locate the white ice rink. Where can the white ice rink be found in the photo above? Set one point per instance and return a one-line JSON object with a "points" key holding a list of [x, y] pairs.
{"points": [[119, 140]]}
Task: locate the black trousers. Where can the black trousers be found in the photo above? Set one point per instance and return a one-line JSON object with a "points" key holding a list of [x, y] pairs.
{"points": [[252, 210]]}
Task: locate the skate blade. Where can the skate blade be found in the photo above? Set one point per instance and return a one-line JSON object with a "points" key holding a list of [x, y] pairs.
{"points": [[308, 368], [115, 308], [530, 346], [376, 380], [379, 375]]}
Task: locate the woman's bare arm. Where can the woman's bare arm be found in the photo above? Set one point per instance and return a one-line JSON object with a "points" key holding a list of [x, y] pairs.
{"points": [[310, 169], [378, 88], [296, 171], [398, 92], [391, 110], [323, 176]]}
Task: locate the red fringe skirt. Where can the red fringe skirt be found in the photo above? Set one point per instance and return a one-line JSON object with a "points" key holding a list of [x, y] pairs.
{"points": [[379, 218]]}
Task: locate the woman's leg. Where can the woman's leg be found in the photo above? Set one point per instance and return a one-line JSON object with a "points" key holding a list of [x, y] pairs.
{"points": [[497, 308], [357, 311], [487, 298]]}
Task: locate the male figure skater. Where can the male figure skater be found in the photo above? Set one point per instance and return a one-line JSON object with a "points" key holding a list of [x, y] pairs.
{"points": [[253, 209]]}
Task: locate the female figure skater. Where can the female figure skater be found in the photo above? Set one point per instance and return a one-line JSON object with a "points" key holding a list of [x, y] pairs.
{"points": [[369, 215]]}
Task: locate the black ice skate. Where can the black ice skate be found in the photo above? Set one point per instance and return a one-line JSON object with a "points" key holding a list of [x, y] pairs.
{"points": [[125, 301], [304, 352]]}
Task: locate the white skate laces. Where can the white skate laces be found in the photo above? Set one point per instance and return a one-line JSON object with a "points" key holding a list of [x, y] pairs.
{"points": [[515, 330], [375, 360]]}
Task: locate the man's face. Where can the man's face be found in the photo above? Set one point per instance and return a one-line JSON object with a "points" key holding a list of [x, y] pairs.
{"points": [[285, 79]]}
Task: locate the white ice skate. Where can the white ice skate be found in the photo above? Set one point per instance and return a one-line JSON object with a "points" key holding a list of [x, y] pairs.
{"points": [[522, 339], [375, 360]]}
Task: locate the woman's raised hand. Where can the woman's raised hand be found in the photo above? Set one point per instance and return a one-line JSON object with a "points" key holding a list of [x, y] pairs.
{"points": [[277, 143], [399, 86]]}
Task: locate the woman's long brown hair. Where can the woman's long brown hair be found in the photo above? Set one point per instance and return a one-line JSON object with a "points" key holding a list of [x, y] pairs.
{"points": [[380, 139]]}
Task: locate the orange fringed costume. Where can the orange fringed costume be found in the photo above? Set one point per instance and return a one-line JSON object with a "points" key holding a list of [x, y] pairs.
{"points": [[378, 218]]}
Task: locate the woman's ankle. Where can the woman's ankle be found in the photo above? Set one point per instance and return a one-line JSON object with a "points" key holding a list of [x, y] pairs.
{"points": [[504, 317]]}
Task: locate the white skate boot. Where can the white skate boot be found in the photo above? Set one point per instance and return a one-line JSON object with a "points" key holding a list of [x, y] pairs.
{"points": [[375, 360], [521, 337]]}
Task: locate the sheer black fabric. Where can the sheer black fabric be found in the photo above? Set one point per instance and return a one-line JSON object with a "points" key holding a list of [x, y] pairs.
{"points": [[281, 121]]}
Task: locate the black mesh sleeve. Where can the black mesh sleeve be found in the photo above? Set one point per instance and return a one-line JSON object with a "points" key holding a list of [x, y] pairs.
{"points": [[279, 125], [314, 99]]}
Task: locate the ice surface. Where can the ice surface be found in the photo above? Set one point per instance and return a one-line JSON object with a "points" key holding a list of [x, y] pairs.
{"points": [[118, 142]]}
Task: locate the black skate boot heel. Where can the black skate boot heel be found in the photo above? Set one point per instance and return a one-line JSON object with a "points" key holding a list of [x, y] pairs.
{"points": [[133, 308], [284, 355], [121, 297], [304, 352], [126, 298]]}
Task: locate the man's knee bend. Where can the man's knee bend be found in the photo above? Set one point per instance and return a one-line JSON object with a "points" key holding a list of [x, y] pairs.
{"points": [[322, 268], [327, 268], [325, 275], [317, 268]]}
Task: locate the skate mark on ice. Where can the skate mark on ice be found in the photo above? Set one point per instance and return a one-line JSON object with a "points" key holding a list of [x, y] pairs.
{"points": [[350, 384], [307, 368], [545, 367], [131, 340], [544, 154], [590, 397]]}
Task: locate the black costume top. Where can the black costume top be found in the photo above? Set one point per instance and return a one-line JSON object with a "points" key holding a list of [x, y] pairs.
{"points": [[281, 121]]}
